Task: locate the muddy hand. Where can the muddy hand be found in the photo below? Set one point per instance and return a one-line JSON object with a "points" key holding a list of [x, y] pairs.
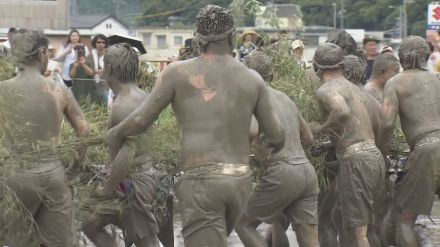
{"points": [[111, 139], [100, 192], [315, 127]]}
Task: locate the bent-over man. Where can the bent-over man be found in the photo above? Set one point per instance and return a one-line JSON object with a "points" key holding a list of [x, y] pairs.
{"points": [[288, 186], [361, 165]]}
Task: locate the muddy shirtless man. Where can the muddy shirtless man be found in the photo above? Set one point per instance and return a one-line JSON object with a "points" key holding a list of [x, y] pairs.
{"points": [[39, 108], [361, 170], [383, 230], [385, 66], [132, 178], [413, 95], [214, 97], [289, 186], [328, 235]]}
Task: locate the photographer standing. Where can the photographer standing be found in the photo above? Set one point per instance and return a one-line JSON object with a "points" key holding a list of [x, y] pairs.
{"points": [[67, 55], [83, 84]]}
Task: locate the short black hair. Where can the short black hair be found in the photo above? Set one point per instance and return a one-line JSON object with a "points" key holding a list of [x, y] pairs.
{"points": [[12, 30], [100, 36]]}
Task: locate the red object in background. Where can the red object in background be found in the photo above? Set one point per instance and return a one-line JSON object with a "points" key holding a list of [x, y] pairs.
{"points": [[436, 13]]}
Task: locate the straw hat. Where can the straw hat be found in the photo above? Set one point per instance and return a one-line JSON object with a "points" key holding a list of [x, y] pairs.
{"points": [[248, 31]]}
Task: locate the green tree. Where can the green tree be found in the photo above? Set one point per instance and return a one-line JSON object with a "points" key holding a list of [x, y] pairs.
{"points": [[186, 10]]}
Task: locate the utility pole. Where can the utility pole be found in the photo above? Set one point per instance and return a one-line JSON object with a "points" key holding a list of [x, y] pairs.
{"points": [[118, 4], [342, 14], [401, 22], [334, 16], [405, 20]]}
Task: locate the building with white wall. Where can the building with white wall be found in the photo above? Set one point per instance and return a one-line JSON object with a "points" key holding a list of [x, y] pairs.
{"points": [[96, 24], [163, 43]]}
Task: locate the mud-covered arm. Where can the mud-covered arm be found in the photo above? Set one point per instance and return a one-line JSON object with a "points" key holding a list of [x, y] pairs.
{"points": [[73, 114], [337, 108], [121, 166], [269, 124], [390, 109], [305, 133], [253, 131], [139, 120]]}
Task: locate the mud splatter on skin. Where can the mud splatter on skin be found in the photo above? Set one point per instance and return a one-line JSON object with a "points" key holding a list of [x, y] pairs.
{"points": [[198, 81]]}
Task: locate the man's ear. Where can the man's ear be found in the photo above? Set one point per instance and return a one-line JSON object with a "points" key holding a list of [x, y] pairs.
{"points": [[42, 54], [232, 38]]}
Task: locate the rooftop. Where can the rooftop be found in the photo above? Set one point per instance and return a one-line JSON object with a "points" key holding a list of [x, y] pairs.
{"points": [[90, 21]]}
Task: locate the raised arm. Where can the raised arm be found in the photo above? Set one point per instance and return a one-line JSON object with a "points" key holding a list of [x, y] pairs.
{"points": [[305, 132], [61, 56], [390, 109], [268, 122], [139, 120], [337, 108]]}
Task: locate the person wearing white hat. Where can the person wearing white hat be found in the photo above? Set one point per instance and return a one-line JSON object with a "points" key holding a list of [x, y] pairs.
{"points": [[52, 70], [298, 52]]}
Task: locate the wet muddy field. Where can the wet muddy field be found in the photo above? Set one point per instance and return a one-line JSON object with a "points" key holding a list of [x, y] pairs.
{"points": [[428, 228]]}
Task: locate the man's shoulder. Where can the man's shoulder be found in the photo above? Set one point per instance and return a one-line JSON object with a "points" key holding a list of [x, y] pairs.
{"points": [[370, 100], [328, 87], [280, 95]]}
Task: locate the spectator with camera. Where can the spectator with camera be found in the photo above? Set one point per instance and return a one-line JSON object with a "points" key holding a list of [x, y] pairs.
{"points": [[67, 55], [81, 73]]}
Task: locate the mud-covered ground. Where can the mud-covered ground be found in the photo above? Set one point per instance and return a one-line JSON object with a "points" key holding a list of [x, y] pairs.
{"points": [[429, 230]]}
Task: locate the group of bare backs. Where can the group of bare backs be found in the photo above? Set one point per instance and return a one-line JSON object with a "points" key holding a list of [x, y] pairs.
{"points": [[223, 107]]}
